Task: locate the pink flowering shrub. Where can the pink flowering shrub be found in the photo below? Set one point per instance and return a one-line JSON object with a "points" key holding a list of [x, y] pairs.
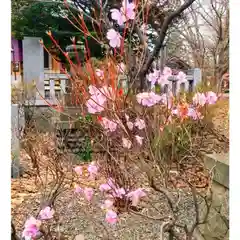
{"points": [[141, 133]]}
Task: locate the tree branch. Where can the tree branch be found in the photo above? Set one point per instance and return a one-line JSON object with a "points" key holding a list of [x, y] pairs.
{"points": [[161, 38]]}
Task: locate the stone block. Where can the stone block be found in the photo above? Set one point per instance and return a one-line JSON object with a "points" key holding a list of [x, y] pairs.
{"points": [[215, 228], [219, 164]]}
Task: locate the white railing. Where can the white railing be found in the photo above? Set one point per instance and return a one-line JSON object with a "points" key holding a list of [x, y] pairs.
{"points": [[194, 77], [53, 91]]}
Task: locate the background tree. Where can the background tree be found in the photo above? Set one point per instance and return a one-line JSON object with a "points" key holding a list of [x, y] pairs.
{"points": [[204, 38], [33, 18]]}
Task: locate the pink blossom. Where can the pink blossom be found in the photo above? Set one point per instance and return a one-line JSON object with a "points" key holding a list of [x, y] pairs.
{"points": [[78, 170], [135, 196], [163, 80], [118, 16], [104, 187], [194, 114], [153, 77], [30, 233], [175, 112], [211, 97], [78, 189], [31, 228], [114, 38], [46, 213], [88, 193], [128, 9], [199, 99], [32, 222], [182, 77], [92, 169], [100, 73], [126, 143], [130, 125], [95, 103], [93, 90], [148, 98], [111, 217], [108, 125], [139, 123], [167, 71], [139, 139], [108, 204]]}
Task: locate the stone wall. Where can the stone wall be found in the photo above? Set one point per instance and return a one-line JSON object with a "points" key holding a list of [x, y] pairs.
{"points": [[217, 225]]}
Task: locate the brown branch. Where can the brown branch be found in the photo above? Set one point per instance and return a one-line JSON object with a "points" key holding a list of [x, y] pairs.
{"points": [[149, 217]]}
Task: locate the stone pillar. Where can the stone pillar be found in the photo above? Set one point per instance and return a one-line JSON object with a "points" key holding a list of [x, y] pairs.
{"points": [[33, 63], [197, 77], [15, 145]]}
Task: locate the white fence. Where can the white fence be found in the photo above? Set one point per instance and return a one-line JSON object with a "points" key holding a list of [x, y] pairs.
{"points": [[194, 77], [53, 90]]}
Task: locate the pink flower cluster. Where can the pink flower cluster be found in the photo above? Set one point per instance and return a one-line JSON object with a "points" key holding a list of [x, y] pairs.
{"points": [[162, 77], [114, 38], [32, 225], [93, 171], [127, 12], [148, 99], [194, 114], [31, 228], [191, 112], [108, 124], [140, 124], [46, 213], [98, 98], [111, 126], [100, 73], [112, 191], [200, 99]]}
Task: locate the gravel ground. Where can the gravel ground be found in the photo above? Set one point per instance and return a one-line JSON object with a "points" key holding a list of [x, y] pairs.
{"points": [[79, 217]]}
